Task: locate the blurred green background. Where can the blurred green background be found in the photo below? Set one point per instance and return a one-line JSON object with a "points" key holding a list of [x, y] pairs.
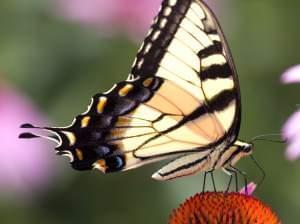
{"points": [[60, 64]]}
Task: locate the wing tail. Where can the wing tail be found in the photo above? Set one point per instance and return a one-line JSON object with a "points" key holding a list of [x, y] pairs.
{"points": [[26, 135]]}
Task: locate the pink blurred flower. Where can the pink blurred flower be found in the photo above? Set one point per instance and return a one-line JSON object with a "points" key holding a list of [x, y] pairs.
{"points": [[291, 129], [249, 190], [131, 16], [291, 132], [25, 166], [291, 75]]}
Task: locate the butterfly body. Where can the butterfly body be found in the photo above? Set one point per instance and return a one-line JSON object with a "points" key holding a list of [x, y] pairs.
{"points": [[219, 158], [181, 101]]}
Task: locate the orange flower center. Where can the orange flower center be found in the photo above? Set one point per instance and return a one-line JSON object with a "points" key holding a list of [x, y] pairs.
{"points": [[225, 208]]}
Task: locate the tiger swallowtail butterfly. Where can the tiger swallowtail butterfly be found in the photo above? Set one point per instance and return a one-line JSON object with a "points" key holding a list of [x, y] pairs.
{"points": [[181, 101]]}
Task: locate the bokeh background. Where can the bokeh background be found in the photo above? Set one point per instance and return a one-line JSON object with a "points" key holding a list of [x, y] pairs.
{"points": [[56, 54]]}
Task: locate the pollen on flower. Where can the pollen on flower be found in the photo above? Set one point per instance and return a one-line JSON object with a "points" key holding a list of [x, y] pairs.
{"points": [[225, 208]]}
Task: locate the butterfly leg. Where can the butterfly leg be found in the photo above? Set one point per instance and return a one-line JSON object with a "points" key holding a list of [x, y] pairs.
{"points": [[204, 182], [213, 180], [236, 182], [231, 173], [244, 176]]}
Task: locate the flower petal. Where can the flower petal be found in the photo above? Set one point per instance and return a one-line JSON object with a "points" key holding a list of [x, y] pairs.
{"points": [[291, 75], [25, 166], [250, 189], [132, 16], [293, 149], [292, 126]]}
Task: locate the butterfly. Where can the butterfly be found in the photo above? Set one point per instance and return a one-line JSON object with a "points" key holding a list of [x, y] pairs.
{"points": [[181, 101]]}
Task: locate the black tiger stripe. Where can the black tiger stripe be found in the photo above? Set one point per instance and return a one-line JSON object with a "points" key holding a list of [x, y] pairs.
{"points": [[192, 116], [222, 100], [230, 157], [210, 50], [217, 103], [216, 71], [234, 154], [184, 167]]}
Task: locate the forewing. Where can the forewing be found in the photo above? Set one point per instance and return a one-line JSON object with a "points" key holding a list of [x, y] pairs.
{"points": [[186, 47]]}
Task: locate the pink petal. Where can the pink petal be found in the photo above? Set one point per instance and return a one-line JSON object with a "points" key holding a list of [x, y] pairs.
{"points": [[131, 16], [291, 75], [291, 126], [250, 189], [293, 149], [127, 15], [89, 11], [25, 165]]}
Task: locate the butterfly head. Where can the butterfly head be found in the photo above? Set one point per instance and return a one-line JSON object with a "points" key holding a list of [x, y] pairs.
{"points": [[248, 148], [245, 147]]}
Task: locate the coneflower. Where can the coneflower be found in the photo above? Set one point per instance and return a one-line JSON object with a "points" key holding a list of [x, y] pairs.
{"points": [[225, 208]]}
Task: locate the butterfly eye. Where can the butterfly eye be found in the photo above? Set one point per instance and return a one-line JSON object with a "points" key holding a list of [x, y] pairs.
{"points": [[248, 148]]}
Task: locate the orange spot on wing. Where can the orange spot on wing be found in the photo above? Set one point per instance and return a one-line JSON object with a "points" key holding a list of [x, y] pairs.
{"points": [[79, 154], [125, 90], [100, 165], [85, 121], [101, 104], [147, 82]]}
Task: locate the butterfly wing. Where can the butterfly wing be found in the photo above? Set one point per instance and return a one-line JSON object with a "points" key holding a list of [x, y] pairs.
{"points": [[182, 96], [186, 48]]}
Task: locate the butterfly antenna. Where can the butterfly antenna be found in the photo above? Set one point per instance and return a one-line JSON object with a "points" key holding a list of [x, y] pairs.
{"points": [[261, 170], [28, 135], [263, 138]]}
